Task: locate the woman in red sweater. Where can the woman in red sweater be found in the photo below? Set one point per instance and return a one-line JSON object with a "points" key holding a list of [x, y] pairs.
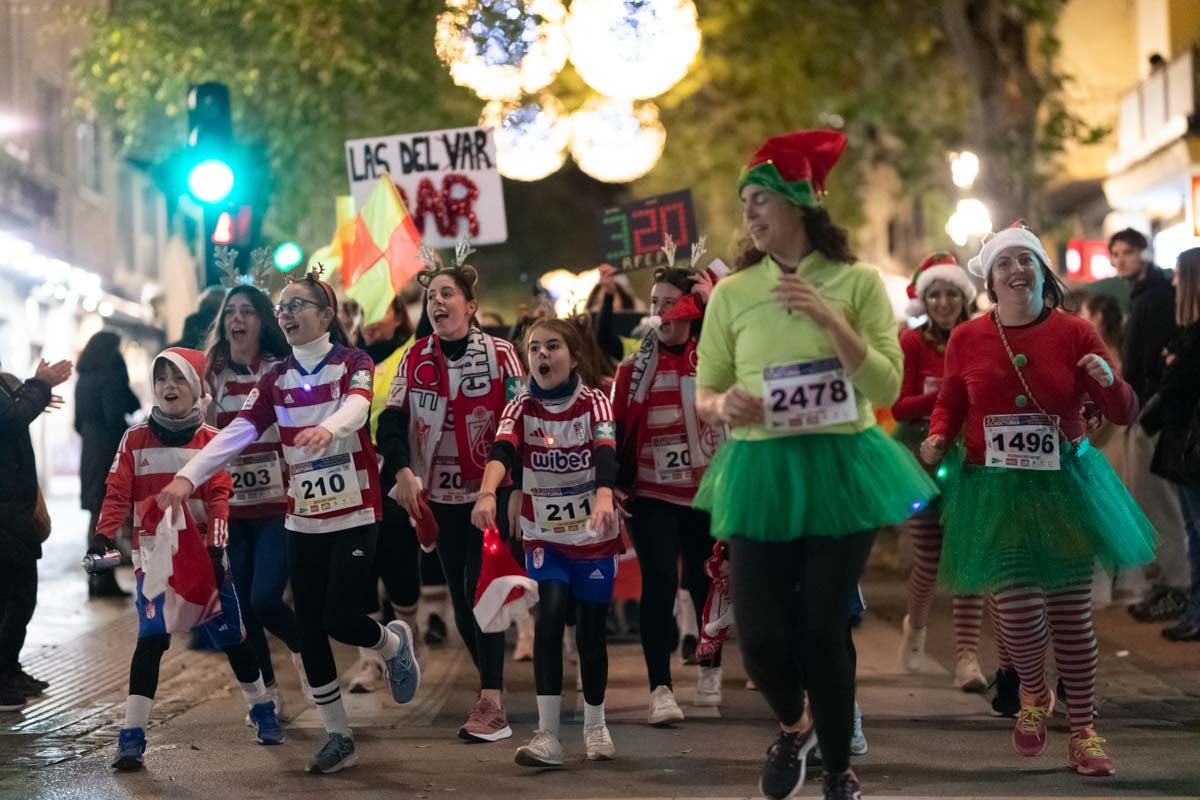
{"points": [[942, 291], [1035, 504]]}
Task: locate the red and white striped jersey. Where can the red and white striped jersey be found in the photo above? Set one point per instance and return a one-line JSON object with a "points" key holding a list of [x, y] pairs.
{"points": [[339, 489], [259, 475], [143, 467], [555, 441]]}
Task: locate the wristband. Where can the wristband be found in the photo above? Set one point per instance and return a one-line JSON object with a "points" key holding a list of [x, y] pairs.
{"points": [[482, 495]]}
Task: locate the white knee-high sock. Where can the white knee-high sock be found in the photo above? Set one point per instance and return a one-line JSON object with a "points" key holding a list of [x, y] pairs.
{"points": [[137, 711], [549, 709], [333, 713], [254, 693], [593, 715]]}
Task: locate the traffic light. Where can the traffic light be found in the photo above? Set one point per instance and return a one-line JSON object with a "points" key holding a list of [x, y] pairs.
{"points": [[288, 256], [212, 157]]}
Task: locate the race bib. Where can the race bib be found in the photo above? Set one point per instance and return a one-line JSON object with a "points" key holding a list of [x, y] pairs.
{"points": [[325, 485], [447, 483], [932, 385], [1021, 441], [257, 478], [563, 509], [672, 459], [807, 396]]}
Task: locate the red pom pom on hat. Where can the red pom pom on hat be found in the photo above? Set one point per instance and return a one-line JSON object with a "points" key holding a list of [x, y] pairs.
{"points": [[803, 155]]}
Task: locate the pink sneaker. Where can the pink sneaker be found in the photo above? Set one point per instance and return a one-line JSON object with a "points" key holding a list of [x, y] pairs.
{"points": [[1029, 734], [1086, 756], [487, 723]]}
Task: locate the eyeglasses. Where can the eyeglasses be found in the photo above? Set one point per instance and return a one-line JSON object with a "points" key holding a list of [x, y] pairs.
{"points": [[293, 306]]}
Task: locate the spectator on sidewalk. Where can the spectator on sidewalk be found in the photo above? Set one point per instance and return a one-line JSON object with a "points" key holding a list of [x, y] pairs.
{"points": [[20, 539], [1172, 414], [1149, 328], [102, 401]]}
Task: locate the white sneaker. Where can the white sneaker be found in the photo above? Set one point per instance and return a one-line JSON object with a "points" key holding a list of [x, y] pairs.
{"points": [[663, 708], [305, 687], [524, 649], [708, 689], [912, 647], [369, 674], [598, 743], [543, 750], [968, 676]]}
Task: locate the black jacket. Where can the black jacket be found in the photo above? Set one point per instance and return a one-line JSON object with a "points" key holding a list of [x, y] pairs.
{"points": [[20, 405], [102, 399], [1179, 392], [1149, 329]]}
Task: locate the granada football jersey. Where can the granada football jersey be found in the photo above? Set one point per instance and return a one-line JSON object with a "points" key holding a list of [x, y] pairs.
{"points": [[258, 474]]}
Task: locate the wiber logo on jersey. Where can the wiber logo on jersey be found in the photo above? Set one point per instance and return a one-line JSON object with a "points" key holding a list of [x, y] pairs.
{"points": [[559, 461]]}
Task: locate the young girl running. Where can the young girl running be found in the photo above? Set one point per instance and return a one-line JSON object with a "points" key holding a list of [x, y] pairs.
{"points": [[560, 435], [320, 397], [176, 589], [247, 343]]}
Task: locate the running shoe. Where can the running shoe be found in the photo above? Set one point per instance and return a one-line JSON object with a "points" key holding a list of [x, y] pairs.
{"points": [[912, 646], [1162, 605], [11, 699], [751, 686], [1183, 632], [598, 743], [543, 750], [1007, 702], [1086, 756], [967, 675], [275, 697], [783, 773], [131, 747], [369, 673], [663, 708], [404, 673], [15, 682], [1029, 734], [708, 689], [843, 787], [267, 727], [36, 683], [335, 755], [487, 723]]}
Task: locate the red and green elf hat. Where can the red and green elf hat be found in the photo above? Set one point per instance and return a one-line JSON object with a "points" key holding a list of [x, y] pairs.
{"points": [[795, 165]]}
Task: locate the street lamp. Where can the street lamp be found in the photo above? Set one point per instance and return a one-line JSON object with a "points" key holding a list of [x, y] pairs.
{"points": [[970, 220], [964, 168]]}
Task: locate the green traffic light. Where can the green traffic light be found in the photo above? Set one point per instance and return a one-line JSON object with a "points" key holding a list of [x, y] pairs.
{"points": [[210, 181], [288, 256]]}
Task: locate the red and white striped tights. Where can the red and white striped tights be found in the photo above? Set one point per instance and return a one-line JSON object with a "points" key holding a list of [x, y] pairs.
{"points": [[1030, 619], [926, 533]]}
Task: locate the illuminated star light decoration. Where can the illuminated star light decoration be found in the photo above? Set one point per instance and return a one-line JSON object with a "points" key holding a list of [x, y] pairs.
{"points": [[531, 139], [633, 49], [616, 141], [502, 48]]}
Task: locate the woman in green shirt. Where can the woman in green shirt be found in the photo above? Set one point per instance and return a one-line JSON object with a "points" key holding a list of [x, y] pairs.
{"points": [[797, 347]]}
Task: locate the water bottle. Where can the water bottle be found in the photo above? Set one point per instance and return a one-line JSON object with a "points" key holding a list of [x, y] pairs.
{"points": [[93, 564]]}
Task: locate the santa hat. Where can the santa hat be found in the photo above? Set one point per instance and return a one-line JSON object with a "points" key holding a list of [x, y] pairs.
{"points": [[795, 165], [426, 525], [937, 267], [504, 593], [1015, 235], [190, 364], [689, 306]]}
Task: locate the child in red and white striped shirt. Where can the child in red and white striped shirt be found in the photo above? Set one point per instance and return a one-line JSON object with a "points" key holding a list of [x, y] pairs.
{"points": [[179, 586]]}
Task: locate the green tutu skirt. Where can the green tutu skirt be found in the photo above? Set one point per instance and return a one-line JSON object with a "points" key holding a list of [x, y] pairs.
{"points": [[1016, 527], [777, 490]]}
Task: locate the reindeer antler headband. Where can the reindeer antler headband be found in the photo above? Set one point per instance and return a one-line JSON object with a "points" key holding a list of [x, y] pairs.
{"points": [[435, 267], [668, 248]]}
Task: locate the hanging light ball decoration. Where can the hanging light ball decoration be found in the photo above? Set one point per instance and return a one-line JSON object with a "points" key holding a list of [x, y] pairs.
{"points": [[531, 139], [616, 141], [502, 48], [633, 49]]}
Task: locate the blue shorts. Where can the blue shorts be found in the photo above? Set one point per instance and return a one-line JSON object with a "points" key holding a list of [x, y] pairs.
{"points": [[222, 631], [590, 579]]}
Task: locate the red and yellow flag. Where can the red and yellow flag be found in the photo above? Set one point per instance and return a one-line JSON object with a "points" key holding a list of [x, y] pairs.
{"points": [[383, 253]]}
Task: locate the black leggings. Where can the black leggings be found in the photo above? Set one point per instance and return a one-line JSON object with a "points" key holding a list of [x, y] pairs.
{"points": [[397, 560], [328, 572], [791, 602], [591, 630], [460, 549], [662, 532], [147, 657]]}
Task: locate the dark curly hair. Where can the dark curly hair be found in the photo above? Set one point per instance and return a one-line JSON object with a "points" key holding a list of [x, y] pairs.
{"points": [[826, 238]]}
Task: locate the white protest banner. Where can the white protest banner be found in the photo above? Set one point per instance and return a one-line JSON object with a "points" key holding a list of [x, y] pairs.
{"points": [[447, 179]]}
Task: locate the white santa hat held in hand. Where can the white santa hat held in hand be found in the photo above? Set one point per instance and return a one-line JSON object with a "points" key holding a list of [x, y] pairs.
{"points": [[938, 267], [504, 594]]}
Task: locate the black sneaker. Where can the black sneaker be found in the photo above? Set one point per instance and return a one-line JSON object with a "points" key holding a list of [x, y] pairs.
{"points": [[844, 786], [783, 774], [1007, 702], [20, 682], [435, 631], [1183, 632], [688, 650], [1162, 605], [11, 699], [38, 682]]}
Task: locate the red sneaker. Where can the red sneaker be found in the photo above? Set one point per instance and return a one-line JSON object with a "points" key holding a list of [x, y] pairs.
{"points": [[1029, 734], [1086, 756]]}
